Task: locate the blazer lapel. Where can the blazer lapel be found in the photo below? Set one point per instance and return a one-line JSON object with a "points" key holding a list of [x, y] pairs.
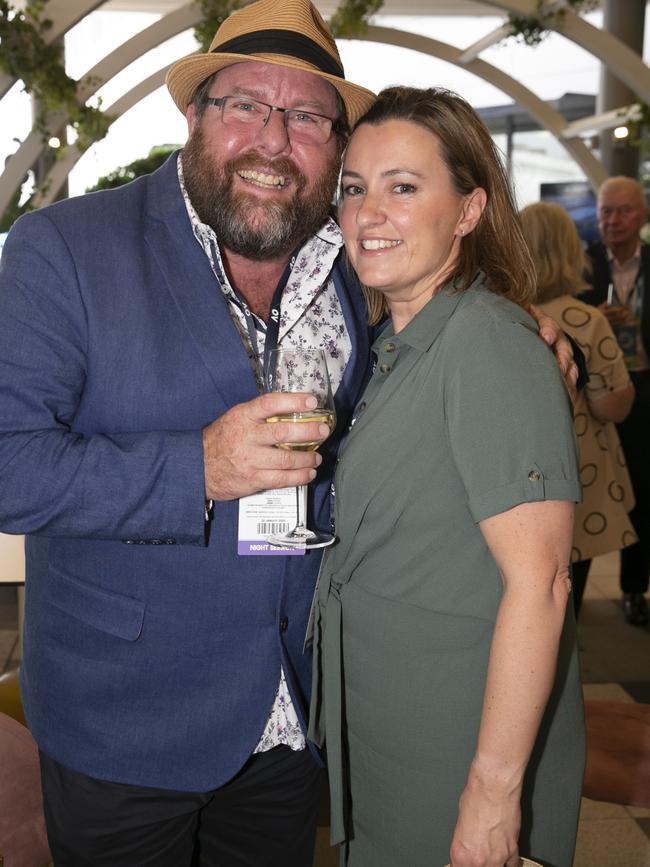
{"points": [[185, 270]]}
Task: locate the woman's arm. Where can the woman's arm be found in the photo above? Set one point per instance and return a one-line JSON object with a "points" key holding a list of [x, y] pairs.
{"points": [[612, 406], [531, 544], [609, 393]]}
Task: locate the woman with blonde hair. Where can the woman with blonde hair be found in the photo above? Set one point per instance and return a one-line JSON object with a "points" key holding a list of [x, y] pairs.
{"points": [[601, 520]]}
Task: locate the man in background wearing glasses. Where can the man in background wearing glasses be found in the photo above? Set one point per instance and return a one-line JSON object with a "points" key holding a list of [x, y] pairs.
{"points": [[621, 287]]}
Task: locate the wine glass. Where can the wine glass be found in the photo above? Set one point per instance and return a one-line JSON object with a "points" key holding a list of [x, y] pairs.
{"points": [[303, 371]]}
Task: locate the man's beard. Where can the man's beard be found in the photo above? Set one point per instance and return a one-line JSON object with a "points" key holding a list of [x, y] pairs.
{"points": [[244, 223]]}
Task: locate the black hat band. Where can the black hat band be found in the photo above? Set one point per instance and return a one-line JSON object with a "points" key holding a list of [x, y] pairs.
{"points": [[282, 42]]}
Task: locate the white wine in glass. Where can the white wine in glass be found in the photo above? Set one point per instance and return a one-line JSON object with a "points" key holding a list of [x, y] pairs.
{"points": [[318, 415], [302, 371]]}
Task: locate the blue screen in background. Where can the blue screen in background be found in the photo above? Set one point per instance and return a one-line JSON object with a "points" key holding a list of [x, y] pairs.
{"points": [[579, 199]]}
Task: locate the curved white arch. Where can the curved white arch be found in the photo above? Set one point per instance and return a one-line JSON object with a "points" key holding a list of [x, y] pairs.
{"points": [[57, 175], [155, 34], [621, 60], [63, 14], [19, 163], [545, 115]]}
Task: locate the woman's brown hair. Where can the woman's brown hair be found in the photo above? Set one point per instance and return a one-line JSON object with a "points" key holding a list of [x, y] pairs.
{"points": [[496, 245]]}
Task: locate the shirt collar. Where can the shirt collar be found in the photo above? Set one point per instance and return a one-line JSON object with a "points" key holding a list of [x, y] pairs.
{"points": [[635, 259], [423, 330]]}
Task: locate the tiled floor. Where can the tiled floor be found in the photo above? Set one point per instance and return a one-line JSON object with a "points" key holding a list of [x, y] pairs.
{"points": [[615, 661]]}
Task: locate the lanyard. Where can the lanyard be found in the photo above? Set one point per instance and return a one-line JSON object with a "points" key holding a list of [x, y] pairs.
{"points": [[272, 326], [640, 292], [636, 289]]}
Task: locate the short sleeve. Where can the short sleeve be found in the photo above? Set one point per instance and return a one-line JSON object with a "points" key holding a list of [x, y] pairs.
{"points": [[607, 371], [509, 415]]}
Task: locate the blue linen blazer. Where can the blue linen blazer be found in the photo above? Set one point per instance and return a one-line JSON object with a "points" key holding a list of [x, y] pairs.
{"points": [[152, 651]]}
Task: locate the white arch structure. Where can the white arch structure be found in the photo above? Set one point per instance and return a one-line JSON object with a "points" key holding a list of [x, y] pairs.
{"points": [[63, 14], [622, 61]]}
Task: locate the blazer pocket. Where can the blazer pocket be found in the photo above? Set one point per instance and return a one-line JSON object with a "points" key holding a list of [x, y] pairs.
{"points": [[114, 613]]}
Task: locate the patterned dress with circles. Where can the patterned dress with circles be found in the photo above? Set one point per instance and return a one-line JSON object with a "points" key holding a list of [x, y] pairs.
{"points": [[601, 523]]}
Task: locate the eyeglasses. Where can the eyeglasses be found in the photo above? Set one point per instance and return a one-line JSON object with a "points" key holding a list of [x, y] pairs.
{"points": [[302, 126], [607, 211]]}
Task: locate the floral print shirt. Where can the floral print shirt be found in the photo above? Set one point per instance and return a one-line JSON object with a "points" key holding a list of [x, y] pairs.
{"points": [[310, 316], [310, 311]]}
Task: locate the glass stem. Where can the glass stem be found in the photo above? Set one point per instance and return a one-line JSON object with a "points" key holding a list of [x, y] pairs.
{"points": [[301, 503]]}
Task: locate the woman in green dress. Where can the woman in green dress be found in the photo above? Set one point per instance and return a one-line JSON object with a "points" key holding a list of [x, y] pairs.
{"points": [[446, 688]]}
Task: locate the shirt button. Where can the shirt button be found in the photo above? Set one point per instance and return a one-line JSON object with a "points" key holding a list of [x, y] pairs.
{"points": [[284, 624], [362, 406], [389, 347], [533, 476], [384, 368]]}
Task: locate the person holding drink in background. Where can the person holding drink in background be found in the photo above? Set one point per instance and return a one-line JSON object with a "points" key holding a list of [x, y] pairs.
{"points": [[446, 686], [602, 522], [620, 277]]}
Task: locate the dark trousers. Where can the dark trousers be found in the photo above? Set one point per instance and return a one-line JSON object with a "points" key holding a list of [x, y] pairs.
{"points": [[579, 573], [635, 439], [264, 817]]}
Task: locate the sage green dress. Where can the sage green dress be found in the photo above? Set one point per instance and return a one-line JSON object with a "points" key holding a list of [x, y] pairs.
{"points": [[466, 416]]}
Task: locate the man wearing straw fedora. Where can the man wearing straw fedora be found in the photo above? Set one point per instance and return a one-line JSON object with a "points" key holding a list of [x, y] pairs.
{"points": [[164, 672]]}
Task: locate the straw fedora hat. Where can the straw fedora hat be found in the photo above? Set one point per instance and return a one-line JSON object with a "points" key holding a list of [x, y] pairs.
{"points": [[289, 33]]}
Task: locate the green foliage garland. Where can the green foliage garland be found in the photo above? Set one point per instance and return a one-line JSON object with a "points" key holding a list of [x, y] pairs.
{"points": [[351, 17], [13, 210], [349, 20], [24, 54], [213, 14], [637, 127], [143, 166], [27, 56], [532, 29]]}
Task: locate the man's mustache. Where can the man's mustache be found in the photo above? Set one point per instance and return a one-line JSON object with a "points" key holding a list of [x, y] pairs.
{"points": [[255, 162]]}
